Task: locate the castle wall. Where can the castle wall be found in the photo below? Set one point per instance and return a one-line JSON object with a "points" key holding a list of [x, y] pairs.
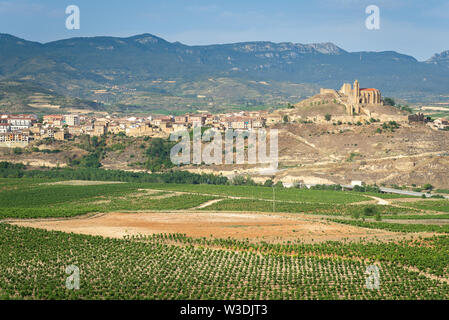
{"points": [[328, 91], [361, 118], [355, 98], [346, 89]]}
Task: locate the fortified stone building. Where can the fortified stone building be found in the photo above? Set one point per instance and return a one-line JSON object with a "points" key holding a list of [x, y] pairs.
{"points": [[355, 99]]}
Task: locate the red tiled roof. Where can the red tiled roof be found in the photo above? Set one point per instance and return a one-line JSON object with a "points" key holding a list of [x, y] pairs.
{"points": [[54, 116]]}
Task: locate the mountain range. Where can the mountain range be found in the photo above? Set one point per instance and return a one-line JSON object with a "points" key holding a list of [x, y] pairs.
{"points": [[118, 71]]}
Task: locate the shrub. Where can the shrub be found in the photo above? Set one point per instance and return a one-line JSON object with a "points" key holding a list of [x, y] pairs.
{"points": [[378, 216], [369, 211], [268, 183], [279, 184]]}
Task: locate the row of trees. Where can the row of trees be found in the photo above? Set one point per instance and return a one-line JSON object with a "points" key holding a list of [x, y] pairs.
{"points": [[337, 187], [10, 170], [391, 102]]}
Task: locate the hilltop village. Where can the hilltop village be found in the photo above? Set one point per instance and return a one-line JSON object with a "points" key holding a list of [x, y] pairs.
{"points": [[350, 104], [20, 130], [333, 137]]}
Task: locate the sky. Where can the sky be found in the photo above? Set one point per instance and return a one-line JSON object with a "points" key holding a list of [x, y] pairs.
{"points": [[417, 28]]}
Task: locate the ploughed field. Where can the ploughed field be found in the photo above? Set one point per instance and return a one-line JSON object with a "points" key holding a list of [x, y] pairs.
{"points": [[168, 241]]}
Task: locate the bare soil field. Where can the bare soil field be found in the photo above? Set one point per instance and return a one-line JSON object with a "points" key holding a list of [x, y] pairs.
{"points": [[273, 228]]}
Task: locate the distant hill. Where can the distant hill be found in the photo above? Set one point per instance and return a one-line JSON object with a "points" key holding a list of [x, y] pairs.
{"points": [[23, 96], [146, 65], [440, 59]]}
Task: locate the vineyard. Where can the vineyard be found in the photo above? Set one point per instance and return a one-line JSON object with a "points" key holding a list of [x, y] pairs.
{"points": [[302, 207], [410, 248], [126, 269], [398, 227], [44, 201], [439, 205], [255, 192]]}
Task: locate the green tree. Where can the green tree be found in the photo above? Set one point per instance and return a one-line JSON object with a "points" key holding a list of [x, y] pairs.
{"points": [[158, 155], [279, 184], [389, 102], [369, 211], [238, 181], [268, 183]]}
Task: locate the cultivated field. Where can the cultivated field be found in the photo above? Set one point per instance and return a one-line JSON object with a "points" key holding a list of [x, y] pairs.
{"points": [[168, 241]]}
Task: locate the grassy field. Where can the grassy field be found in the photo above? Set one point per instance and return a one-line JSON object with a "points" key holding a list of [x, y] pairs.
{"points": [[175, 266]]}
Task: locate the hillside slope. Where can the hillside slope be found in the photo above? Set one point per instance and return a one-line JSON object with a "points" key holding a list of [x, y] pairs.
{"points": [[24, 96], [77, 66]]}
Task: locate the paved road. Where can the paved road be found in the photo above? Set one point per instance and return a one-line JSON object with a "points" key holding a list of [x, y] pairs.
{"points": [[398, 191], [406, 192]]}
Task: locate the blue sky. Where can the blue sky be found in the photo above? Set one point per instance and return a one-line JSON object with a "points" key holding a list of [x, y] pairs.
{"points": [[419, 28]]}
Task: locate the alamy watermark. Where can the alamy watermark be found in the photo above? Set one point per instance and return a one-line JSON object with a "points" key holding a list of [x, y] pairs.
{"points": [[208, 147], [373, 279], [73, 21], [372, 22], [73, 280]]}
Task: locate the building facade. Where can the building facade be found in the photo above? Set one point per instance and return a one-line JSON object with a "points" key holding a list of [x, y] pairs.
{"points": [[355, 98]]}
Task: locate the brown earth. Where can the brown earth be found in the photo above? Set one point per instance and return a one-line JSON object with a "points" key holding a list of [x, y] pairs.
{"points": [[253, 226], [129, 158], [324, 153], [68, 150]]}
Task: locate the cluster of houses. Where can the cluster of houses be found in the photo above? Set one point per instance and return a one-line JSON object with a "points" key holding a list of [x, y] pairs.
{"points": [[440, 124], [19, 130], [167, 124], [164, 125], [14, 129]]}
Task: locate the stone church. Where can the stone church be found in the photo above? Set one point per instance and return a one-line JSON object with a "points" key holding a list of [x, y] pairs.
{"points": [[355, 98]]}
